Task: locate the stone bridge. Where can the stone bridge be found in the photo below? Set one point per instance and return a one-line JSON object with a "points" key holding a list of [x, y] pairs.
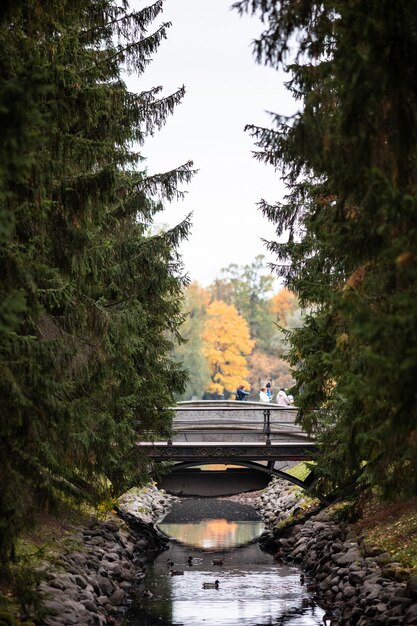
{"points": [[225, 447]]}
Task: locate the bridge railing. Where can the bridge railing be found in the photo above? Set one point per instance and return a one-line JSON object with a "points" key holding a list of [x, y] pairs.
{"points": [[230, 417], [238, 421]]}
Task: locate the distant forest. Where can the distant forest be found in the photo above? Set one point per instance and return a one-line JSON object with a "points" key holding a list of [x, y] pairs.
{"points": [[235, 332]]}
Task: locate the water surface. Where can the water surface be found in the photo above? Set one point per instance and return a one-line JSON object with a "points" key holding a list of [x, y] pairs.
{"points": [[254, 589]]}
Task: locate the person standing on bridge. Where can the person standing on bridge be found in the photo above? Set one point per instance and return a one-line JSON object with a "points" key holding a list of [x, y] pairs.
{"points": [[269, 391], [241, 393], [263, 395], [283, 399]]}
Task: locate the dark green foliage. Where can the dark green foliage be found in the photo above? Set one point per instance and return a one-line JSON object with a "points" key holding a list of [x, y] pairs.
{"points": [[89, 296], [349, 160]]}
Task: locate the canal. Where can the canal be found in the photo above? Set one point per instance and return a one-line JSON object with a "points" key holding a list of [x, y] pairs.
{"points": [[252, 590]]}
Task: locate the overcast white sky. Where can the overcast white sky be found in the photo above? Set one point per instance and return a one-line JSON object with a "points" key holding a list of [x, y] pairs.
{"points": [[208, 50]]}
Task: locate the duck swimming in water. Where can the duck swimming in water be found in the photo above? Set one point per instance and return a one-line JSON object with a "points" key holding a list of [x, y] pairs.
{"points": [[176, 572], [214, 585], [217, 561]]}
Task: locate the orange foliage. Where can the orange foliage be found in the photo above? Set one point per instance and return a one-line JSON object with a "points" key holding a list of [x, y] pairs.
{"points": [[265, 367], [226, 345], [282, 304], [355, 280]]}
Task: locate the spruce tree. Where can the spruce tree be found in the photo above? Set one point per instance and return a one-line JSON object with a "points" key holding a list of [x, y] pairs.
{"points": [[89, 296], [349, 161]]}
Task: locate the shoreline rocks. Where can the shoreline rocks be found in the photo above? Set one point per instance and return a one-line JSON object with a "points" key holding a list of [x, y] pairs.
{"points": [[357, 585], [279, 501], [93, 584], [147, 503]]}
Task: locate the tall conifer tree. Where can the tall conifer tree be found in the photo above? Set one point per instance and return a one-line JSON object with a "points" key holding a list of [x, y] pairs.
{"points": [[88, 296], [349, 160]]}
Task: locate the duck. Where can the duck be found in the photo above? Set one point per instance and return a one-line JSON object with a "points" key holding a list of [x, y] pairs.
{"points": [[217, 561], [170, 563], [331, 616], [176, 572], [190, 560], [327, 617], [214, 585]]}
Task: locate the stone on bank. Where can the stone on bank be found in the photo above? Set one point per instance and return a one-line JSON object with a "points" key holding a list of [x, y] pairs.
{"points": [[357, 585], [93, 584]]}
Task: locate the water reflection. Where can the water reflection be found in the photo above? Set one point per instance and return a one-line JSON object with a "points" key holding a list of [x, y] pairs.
{"points": [[267, 595], [212, 534], [254, 590]]}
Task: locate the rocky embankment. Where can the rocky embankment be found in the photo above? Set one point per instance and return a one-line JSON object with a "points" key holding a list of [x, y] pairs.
{"points": [[93, 583], [357, 584]]}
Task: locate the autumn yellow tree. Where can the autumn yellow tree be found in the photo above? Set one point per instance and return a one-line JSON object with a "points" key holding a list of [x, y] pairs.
{"points": [[226, 346], [282, 305]]}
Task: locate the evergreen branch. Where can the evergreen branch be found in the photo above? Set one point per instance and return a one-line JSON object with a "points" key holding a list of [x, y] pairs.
{"points": [[38, 471], [155, 112], [146, 45], [170, 237], [165, 185], [179, 232], [58, 331], [139, 18], [146, 96], [100, 306]]}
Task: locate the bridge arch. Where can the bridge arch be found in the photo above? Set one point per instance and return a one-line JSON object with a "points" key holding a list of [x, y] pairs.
{"points": [[306, 485]]}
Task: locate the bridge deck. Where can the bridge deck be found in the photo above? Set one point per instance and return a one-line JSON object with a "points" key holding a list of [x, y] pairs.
{"points": [[229, 431]]}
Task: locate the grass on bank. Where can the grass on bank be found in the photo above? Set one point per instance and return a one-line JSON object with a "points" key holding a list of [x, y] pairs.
{"points": [[50, 535], [393, 527], [300, 471]]}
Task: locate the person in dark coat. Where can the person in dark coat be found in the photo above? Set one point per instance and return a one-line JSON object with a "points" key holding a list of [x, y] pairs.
{"points": [[241, 393]]}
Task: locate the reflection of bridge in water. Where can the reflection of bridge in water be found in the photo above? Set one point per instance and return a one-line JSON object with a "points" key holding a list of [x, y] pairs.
{"points": [[258, 440]]}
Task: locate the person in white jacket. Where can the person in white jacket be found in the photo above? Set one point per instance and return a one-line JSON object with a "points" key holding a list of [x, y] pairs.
{"points": [[263, 396], [283, 399]]}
